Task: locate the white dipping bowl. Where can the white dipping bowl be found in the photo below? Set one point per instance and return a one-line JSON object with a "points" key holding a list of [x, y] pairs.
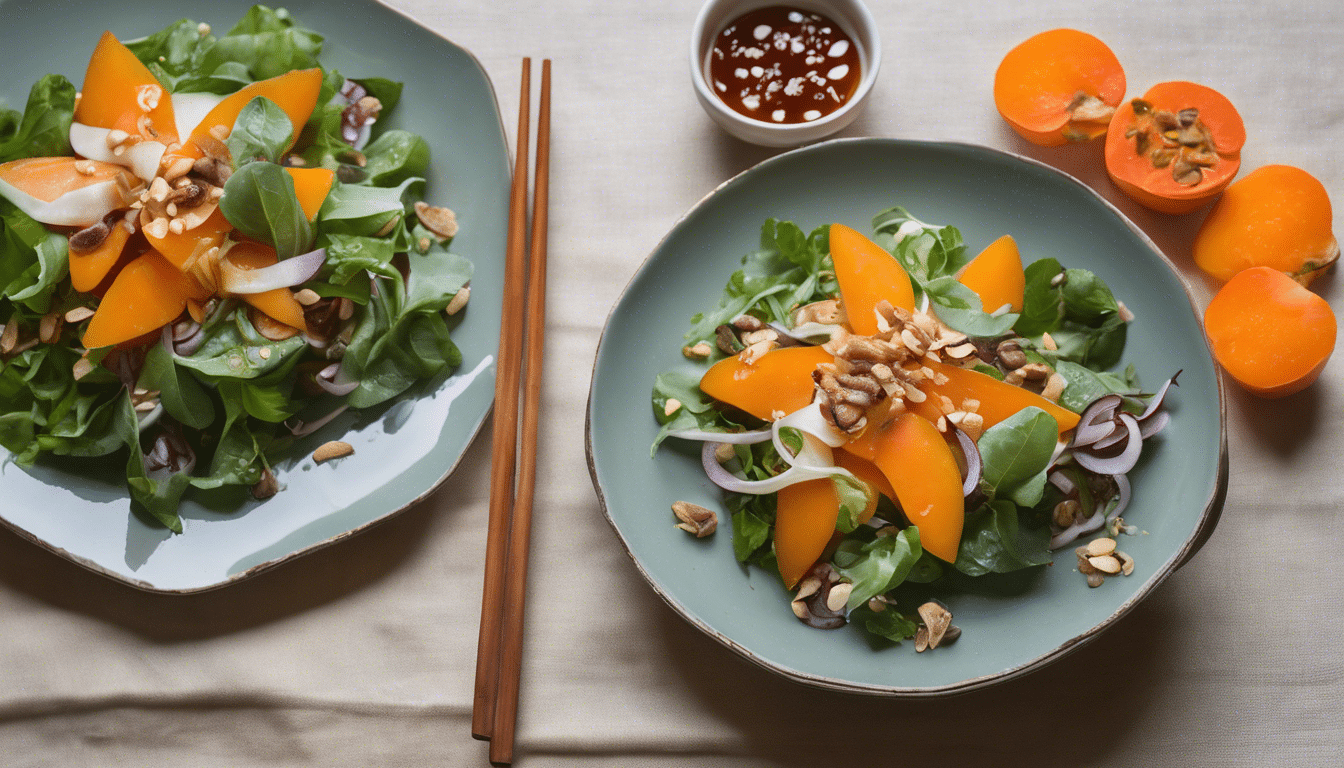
{"points": [[852, 17]]}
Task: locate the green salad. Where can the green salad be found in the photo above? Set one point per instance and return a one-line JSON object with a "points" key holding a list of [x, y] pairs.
{"points": [[891, 420], [208, 252]]}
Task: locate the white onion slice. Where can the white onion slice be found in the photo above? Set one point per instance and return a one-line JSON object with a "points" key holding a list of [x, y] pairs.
{"points": [[282, 274], [731, 438], [807, 333], [300, 429], [1080, 527], [730, 482], [142, 157], [1122, 484], [809, 420], [1155, 424], [332, 380], [1062, 481]]}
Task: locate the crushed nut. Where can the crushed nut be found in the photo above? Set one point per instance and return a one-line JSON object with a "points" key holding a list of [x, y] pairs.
{"points": [[306, 296], [459, 300], [671, 406], [333, 449], [937, 619], [441, 221], [699, 351], [695, 519], [78, 314]]}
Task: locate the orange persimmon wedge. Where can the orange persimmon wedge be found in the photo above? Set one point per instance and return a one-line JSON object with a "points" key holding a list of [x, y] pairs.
{"points": [[867, 274], [117, 87], [1059, 86], [278, 303], [294, 92], [178, 248], [996, 276], [52, 190], [805, 516], [146, 295], [778, 383], [997, 400], [1175, 169], [924, 475], [311, 186], [87, 270], [1269, 333], [1276, 216]]}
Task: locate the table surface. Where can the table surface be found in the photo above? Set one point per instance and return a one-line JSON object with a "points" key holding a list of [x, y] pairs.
{"points": [[363, 653]]}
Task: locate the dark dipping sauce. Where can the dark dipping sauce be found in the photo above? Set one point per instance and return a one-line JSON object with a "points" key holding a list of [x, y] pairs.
{"points": [[782, 64]]}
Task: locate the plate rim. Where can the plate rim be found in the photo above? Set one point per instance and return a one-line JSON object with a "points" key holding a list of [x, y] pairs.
{"points": [[1208, 519], [487, 365]]}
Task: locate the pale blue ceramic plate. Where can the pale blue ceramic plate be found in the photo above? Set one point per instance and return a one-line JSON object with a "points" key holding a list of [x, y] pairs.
{"points": [[401, 452], [1178, 488]]}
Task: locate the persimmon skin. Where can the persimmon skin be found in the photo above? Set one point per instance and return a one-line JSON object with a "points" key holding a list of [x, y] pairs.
{"points": [[996, 276], [1277, 216], [867, 274], [1154, 187], [778, 382], [805, 517], [1269, 333], [1039, 78]]}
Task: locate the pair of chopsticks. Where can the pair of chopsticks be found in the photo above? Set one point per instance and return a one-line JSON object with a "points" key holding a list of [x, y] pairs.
{"points": [[499, 650]]}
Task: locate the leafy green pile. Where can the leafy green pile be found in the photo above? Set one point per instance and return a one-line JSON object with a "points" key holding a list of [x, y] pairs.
{"points": [[1008, 528], [227, 399]]}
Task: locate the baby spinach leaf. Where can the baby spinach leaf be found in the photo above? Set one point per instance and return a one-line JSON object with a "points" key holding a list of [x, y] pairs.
{"points": [[752, 518], [959, 307], [259, 200], [33, 259], [876, 566], [181, 394], [889, 623], [1083, 385], [1015, 453], [44, 129], [854, 495], [268, 43], [395, 157], [234, 351], [174, 54], [1086, 298], [993, 541], [1042, 302], [261, 132]]}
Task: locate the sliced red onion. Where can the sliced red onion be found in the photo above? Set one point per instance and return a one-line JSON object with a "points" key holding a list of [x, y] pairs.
{"points": [[1121, 462], [1097, 420], [1080, 527], [282, 274], [331, 380], [183, 338], [971, 483], [300, 429], [1155, 424], [1156, 401], [731, 438], [730, 482], [807, 333]]}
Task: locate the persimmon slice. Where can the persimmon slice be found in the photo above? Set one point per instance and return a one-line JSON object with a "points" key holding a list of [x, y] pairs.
{"points": [[146, 295], [278, 303], [1269, 333], [867, 275], [1059, 86], [87, 269], [294, 92], [805, 516], [997, 400], [777, 383], [120, 92], [996, 276], [1176, 148], [63, 191], [1277, 216], [923, 472]]}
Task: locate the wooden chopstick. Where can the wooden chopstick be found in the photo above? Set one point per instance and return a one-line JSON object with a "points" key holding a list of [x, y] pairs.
{"points": [[505, 431], [511, 654]]}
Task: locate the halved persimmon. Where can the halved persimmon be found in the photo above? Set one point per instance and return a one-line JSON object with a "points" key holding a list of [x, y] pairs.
{"points": [[1059, 86], [1269, 333], [1176, 148], [1277, 216]]}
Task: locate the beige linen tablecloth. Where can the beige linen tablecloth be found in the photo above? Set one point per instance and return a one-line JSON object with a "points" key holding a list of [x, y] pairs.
{"points": [[363, 654]]}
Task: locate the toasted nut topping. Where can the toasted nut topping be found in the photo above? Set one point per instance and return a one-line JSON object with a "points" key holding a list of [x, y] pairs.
{"points": [[1099, 547], [1126, 562], [695, 519], [83, 367], [307, 297], [724, 452], [1095, 579], [78, 315], [334, 449], [441, 221], [671, 406], [937, 618], [921, 639], [839, 596], [49, 328], [698, 352], [9, 338], [459, 300], [1105, 564]]}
